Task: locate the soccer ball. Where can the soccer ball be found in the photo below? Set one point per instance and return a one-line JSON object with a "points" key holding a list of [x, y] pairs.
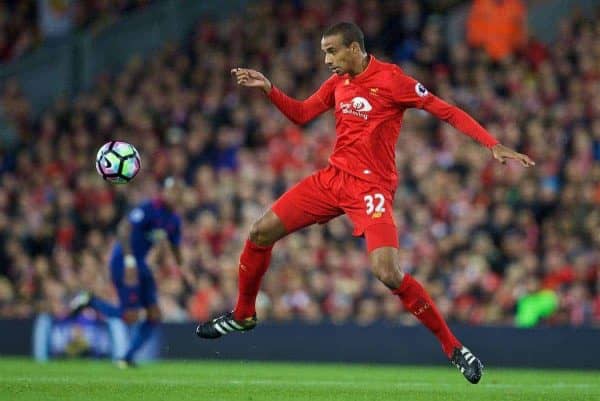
{"points": [[118, 162]]}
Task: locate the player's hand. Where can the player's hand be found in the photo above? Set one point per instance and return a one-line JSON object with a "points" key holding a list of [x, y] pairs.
{"points": [[130, 316], [251, 79], [158, 254], [158, 235], [502, 154]]}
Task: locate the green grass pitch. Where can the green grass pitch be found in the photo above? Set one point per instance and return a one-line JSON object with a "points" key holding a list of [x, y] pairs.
{"points": [[25, 380]]}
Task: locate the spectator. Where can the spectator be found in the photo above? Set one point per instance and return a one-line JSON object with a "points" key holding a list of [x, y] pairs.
{"points": [[25, 24], [497, 26]]}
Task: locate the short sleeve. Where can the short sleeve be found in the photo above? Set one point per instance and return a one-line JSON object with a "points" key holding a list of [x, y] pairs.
{"points": [[408, 92]]}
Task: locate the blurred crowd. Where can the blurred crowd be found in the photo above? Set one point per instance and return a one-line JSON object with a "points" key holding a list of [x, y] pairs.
{"points": [[25, 24], [482, 237]]}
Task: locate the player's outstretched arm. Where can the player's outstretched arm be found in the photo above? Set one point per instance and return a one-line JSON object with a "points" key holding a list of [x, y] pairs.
{"points": [[410, 93], [124, 237], [463, 122], [300, 112]]}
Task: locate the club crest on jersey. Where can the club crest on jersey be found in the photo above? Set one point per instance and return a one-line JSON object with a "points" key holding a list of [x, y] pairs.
{"points": [[358, 106]]}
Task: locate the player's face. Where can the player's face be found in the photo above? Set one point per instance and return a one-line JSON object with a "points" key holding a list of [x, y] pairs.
{"points": [[339, 58]]}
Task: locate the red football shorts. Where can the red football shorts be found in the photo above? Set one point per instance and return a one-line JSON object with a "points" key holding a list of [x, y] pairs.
{"points": [[331, 192]]}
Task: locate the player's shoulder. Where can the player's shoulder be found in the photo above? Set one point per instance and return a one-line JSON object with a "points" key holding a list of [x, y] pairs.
{"points": [[387, 66], [400, 82], [390, 70], [145, 204]]}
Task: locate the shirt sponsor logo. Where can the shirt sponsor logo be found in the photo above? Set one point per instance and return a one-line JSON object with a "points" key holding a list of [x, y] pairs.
{"points": [[358, 106]]}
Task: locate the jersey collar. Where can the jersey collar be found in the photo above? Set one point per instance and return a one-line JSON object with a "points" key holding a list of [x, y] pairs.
{"points": [[366, 72]]}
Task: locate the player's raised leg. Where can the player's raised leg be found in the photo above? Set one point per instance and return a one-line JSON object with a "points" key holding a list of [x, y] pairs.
{"points": [[254, 262], [79, 302], [385, 264], [86, 299], [308, 202]]}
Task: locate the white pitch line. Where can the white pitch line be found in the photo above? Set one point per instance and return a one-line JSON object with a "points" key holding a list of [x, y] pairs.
{"points": [[273, 382]]}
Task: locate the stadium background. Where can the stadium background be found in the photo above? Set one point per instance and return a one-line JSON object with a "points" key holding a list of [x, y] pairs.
{"points": [[496, 246]]}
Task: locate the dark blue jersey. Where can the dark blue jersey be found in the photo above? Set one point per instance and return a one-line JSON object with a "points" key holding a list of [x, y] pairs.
{"points": [[151, 221]]}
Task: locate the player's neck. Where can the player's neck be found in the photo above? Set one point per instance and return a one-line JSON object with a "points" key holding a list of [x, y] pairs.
{"points": [[364, 63]]}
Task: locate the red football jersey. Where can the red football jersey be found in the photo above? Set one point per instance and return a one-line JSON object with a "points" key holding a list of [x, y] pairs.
{"points": [[368, 116]]}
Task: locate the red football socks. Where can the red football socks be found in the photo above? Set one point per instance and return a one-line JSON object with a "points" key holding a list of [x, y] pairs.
{"points": [[254, 262], [416, 300]]}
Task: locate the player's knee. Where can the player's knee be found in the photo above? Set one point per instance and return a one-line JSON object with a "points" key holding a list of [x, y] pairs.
{"points": [[254, 231], [385, 268], [389, 275], [261, 234]]}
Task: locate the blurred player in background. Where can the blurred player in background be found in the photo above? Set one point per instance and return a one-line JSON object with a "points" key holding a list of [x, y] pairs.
{"points": [[152, 224], [369, 98]]}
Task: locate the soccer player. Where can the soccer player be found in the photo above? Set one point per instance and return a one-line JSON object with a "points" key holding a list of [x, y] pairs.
{"points": [[152, 223], [368, 97]]}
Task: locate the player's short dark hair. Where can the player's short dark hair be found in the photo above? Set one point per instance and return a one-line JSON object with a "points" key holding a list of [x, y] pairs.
{"points": [[350, 33]]}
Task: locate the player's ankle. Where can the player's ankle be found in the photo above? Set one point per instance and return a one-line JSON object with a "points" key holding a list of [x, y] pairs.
{"points": [[449, 348], [242, 314]]}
